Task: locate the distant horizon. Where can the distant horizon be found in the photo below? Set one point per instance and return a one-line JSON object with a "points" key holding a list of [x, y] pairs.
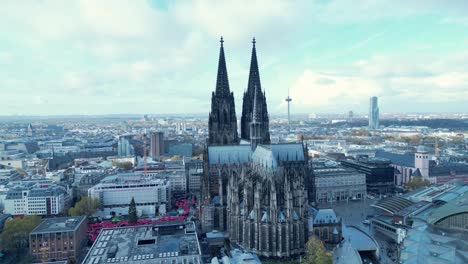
{"points": [[100, 57], [137, 115]]}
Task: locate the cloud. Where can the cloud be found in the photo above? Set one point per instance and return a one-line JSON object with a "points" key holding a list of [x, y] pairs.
{"points": [[310, 92], [95, 55], [5, 56], [233, 19], [455, 21], [402, 83]]}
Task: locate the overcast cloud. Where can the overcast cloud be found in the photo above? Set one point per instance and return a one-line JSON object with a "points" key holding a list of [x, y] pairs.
{"points": [[111, 57]]}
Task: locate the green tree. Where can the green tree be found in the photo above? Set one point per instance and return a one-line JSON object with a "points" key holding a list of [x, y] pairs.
{"points": [[417, 182], [15, 235], [22, 172], [86, 206], [316, 253], [126, 165], [132, 212], [176, 157]]}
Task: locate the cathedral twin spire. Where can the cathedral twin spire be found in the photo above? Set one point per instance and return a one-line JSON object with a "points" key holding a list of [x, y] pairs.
{"points": [[222, 119], [222, 81], [253, 95]]}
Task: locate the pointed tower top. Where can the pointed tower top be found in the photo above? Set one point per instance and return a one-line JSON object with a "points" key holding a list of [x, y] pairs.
{"points": [[222, 81], [254, 76]]}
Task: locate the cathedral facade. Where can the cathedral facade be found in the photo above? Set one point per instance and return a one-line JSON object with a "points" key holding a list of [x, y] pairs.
{"points": [[255, 191]]}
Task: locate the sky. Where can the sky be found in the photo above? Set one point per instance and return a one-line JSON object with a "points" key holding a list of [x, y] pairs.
{"points": [[159, 57]]}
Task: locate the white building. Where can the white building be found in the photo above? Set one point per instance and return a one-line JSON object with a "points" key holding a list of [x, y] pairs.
{"points": [[178, 181], [194, 179], [152, 196], [37, 199]]}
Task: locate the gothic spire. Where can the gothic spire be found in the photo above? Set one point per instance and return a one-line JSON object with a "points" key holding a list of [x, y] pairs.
{"points": [[254, 76], [222, 82], [257, 106], [222, 121]]}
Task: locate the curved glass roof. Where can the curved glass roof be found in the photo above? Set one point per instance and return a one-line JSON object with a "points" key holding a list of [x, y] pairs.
{"points": [[393, 204]]}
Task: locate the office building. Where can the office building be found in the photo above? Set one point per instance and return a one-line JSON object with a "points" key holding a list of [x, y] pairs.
{"points": [[379, 173], [373, 113], [125, 147], [58, 239], [36, 198]]}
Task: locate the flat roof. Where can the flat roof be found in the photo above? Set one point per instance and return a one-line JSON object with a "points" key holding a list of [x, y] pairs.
{"points": [[146, 244], [59, 224]]}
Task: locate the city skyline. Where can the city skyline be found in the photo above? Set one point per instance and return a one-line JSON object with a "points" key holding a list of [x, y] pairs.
{"points": [[98, 58]]}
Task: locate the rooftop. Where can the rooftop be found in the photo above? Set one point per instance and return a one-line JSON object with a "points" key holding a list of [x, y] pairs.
{"points": [[59, 224], [458, 205], [159, 243], [393, 205], [355, 243], [325, 216], [405, 160]]}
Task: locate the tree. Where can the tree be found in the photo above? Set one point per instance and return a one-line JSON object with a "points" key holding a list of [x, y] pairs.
{"points": [[126, 165], [22, 172], [15, 235], [132, 212], [86, 206], [316, 253], [417, 182], [176, 157]]}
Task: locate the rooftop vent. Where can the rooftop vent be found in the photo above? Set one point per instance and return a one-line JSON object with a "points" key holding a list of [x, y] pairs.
{"points": [[143, 242]]}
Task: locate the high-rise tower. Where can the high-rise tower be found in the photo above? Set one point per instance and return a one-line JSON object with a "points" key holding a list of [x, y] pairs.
{"points": [[157, 144], [373, 113], [248, 101], [222, 122], [288, 100]]}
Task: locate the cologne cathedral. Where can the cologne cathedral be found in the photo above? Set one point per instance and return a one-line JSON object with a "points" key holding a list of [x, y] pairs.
{"points": [[255, 191]]}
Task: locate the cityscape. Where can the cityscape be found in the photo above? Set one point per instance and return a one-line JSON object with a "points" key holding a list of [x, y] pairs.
{"points": [[359, 158]]}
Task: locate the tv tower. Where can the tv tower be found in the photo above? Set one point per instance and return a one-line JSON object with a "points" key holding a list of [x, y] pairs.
{"points": [[288, 100]]}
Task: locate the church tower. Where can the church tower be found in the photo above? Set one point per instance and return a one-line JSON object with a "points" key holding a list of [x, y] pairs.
{"points": [[256, 126], [222, 122], [248, 102]]}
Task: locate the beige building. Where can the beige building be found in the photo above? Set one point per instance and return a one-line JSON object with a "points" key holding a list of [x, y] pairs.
{"points": [[59, 238]]}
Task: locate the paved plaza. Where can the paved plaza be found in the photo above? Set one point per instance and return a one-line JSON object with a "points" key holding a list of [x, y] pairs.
{"points": [[354, 213]]}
